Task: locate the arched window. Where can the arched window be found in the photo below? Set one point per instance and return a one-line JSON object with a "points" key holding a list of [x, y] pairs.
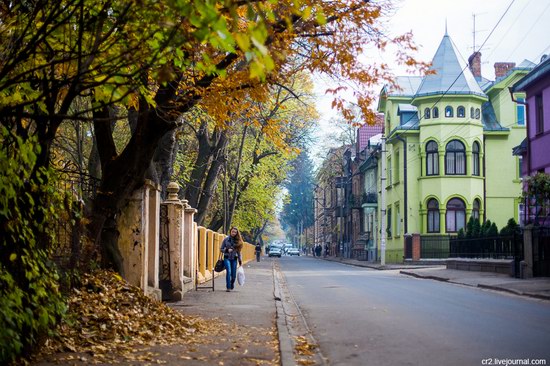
{"points": [[435, 112], [475, 209], [432, 158], [475, 158], [448, 111], [461, 112], [455, 158], [472, 113], [478, 113], [456, 215], [433, 216], [427, 113]]}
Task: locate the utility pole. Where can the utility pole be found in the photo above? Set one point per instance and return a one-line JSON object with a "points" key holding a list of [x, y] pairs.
{"points": [[383, 203]]}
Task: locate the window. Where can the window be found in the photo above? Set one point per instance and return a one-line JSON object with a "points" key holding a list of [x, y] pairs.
{"points": [[461, 112], [448, 111], [456, 215], [478, 113], [475, 159], [520, 167], [397, 221], [396, 169], [433, 216], [388, 229], [539, 116], [520, 111], [432, 158], [455, 158], [427, 113], [389, 172], [435, 112], [475, 209], [472, 113]]}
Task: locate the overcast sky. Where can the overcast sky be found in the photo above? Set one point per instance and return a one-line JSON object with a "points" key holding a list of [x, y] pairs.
{"points": [[523, 33]]}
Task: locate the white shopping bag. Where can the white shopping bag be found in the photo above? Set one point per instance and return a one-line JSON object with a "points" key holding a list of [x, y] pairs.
{"points": [[240, 276]]}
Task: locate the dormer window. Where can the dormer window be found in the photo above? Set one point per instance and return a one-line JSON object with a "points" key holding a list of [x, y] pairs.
{"points": [[478, 113], [448, 111], [427, 113], [435, 112], [461, 112]]}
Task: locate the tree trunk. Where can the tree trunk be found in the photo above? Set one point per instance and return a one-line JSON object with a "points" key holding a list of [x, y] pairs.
{"points": [[165, 155], [236, 187], [212, 178], [194, 188]]}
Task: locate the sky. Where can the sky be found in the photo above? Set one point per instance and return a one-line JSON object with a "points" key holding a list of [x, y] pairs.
{"points": [[523, 33]]}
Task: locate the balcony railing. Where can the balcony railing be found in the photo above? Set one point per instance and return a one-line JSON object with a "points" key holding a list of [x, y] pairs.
{"points": [[370, 197]]}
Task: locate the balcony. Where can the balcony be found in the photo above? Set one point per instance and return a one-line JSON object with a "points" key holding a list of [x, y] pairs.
{"points": [[370, 198]]}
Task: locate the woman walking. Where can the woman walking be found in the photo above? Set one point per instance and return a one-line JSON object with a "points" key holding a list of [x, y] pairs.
{"points": [[231, 249]]}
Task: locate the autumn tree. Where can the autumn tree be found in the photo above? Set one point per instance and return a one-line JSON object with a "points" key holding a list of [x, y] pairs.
{"points": [[159, 60]]}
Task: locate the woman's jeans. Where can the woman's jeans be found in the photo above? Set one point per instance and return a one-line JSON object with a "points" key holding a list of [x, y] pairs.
{"points": [[230, 272]]}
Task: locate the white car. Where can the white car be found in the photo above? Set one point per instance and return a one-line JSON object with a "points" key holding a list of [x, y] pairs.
{"points": [[275, 252], [293, 251]]}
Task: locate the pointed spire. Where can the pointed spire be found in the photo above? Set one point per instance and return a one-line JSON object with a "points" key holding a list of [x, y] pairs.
{"points": [[446, 34], [450, 76]]}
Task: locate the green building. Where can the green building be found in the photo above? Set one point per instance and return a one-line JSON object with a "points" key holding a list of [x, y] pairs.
{"points": [[450, 137]]}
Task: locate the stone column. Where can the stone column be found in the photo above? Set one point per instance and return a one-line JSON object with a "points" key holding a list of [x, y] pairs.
{"points": [[153, 241], [189, 247], [209, 253], [202, 254], [175, 240], [133, 239], [527, 262]]}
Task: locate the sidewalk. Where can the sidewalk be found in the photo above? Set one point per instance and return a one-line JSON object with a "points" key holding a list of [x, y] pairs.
{"points": [[535, 287]]}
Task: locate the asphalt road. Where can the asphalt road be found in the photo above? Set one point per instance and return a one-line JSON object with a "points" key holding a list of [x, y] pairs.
{"points": [[361, 316]]}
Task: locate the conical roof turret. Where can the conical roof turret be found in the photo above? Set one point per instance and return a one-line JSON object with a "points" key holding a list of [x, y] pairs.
{"points": [[450, 76]]}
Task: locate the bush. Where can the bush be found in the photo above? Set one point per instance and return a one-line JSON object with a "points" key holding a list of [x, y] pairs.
{"points": [[31, 302]]}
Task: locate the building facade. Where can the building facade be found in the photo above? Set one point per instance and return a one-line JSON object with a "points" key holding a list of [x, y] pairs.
{"points": [[449, 157]]}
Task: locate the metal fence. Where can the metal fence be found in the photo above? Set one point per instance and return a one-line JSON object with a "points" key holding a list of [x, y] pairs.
{"points": [[493, 247], [434, 246], [541, 252], [79, 189]]}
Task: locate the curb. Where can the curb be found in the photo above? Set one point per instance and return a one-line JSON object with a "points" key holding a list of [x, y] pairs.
{"points": [[435, 278], [479, 285], [285, 342], [292, 326]]}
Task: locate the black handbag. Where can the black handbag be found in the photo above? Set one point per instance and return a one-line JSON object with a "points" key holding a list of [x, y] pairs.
{"points": [[220, 265]]}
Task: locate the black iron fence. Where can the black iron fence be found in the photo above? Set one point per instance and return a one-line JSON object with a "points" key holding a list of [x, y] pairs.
{"points": [[493, 247], [79, 189], [434, 246], [541, 251]]}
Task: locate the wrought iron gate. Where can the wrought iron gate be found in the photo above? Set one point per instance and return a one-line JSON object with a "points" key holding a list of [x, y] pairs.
{"points": [[165, 283]]}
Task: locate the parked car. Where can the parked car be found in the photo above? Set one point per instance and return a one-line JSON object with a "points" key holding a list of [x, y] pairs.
{"points": [[275, 252], [293, 251]]}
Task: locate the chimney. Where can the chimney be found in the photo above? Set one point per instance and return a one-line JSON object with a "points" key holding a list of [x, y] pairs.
{"points": [[474, 62], [501, 68]]}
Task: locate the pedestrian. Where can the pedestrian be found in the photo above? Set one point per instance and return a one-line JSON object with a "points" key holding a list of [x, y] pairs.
{"points": [[231, 249], [258, 251]]}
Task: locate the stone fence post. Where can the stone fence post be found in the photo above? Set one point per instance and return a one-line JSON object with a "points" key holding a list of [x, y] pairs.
{"points": [[189, 232], [132, 224], [526, 265], [172, 256]]}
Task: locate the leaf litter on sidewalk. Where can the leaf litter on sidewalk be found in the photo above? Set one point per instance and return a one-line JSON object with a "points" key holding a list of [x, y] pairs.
{"points": [[110, 321]]}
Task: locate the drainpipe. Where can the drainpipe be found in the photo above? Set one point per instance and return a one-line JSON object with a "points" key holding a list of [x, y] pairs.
{"points": [[405, 195], [484, 182]]}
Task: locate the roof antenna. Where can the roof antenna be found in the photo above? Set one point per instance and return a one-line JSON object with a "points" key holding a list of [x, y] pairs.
{"points": [[446, 27]]}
